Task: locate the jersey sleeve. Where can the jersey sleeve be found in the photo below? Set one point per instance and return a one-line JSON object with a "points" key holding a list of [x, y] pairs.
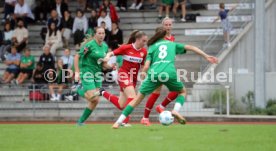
{"points": [[180, 48], [120, 51]]}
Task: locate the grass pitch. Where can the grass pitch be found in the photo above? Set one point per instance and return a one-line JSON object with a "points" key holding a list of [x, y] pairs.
{"points": [[100, 137]]}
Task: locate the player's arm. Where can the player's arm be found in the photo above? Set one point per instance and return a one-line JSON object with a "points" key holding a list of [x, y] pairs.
{"points": [[108, 67], [234, 7], [108, 56], [145, 69], [216, 19], [211, 59]]}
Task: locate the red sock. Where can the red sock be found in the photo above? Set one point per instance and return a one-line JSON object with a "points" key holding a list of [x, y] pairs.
{"points": [[149, 105], [113, 99], [128, 117], [171, 96]]}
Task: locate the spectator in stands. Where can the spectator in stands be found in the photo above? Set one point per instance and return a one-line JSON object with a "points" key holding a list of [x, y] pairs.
{"points": [[53, 38], [13, 62], [183, 9], [121, 5], [115, 37], [60, 7], [92, 21], [67, 26], [80, 27], [92, 4], [167, 4], [107, 32], [42, 7], [20, 36], [8, 9], [6, 41], [66, 63], [111, 11], [23, 10], [225, 23], [38, 74], [104, 17], [27, 66], [47, 59], [136, 4], [54, 18]]}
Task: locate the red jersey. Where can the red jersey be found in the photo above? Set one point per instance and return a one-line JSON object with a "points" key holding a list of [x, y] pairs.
{"points": [[171, 38], [132, 58]]}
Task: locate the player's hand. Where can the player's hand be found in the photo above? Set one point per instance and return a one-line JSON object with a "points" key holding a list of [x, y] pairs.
{"points": [[143, 75], [106, 59], [77, 76], [212, 59]]}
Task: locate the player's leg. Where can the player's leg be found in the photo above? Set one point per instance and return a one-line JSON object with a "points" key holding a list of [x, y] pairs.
{"points": [[177, 86], [130, 94], [112, 98]]}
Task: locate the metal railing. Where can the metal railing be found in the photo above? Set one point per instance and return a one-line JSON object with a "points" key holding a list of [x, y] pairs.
{"points": [[210, 40]]}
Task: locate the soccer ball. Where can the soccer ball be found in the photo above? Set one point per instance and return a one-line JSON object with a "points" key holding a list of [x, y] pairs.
{"points": [[166, 118]]}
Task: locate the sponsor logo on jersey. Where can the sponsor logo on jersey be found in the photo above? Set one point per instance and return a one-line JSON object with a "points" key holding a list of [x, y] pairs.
{"points": [[133, 59]]}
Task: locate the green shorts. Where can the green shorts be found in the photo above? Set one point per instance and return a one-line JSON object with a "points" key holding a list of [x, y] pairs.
{"points": [[91, 82], [148, 85], [167, 2]]}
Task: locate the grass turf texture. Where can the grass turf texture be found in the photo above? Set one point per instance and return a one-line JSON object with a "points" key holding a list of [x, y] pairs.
{"points": [[101, 137]]}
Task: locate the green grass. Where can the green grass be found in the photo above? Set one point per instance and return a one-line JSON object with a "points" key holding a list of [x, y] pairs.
{"points": [[138, 138]]}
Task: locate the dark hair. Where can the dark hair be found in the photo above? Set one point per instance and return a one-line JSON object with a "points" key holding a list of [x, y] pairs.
{"points": [[136, 34], [39, 64], [103, 22], [104, 10], [221, 6], [160, 33], [52, 31], [81, 11], [7, 23]]}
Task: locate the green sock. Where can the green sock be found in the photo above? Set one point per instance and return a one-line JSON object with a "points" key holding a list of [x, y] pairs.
{"points": [[180, 99], [81, 92], [128, 110], [86, 113]]}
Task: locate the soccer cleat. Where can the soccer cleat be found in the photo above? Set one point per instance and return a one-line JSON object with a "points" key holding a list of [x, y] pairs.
{"points": [[159, 109], [145, 121], [125, 125], [179, 117], [116, 126], [80, 124]]}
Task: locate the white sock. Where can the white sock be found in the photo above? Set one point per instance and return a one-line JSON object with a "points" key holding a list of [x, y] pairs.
{"points": [[177, 107], [121, 119]]}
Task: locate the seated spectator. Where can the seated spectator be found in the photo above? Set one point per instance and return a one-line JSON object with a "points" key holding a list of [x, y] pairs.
{"points": [[26, 67], [22, 10], [38, 74], [80, 27], [167, 4], [60, 7], [53, 38], [107, 32], [8, 9], [6, 41], [183, 9], [52, 87], [47, 59], [65, 63], [55, 19], [115, 37], [122, 5], [111, 11], [13, 62], [92, 21], [67, 26], [20, 36], [41, 10], [105, 18], [92, 4], [136, 5]]}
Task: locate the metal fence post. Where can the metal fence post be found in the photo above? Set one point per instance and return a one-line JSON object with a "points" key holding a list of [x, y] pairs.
{"points": [[227, 100]]}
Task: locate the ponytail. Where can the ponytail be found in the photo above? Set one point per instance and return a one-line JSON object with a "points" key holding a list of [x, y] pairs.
{"points": [[160, 33]]}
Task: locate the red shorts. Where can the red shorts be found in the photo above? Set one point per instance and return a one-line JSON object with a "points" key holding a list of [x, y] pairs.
{"points": [[126, 82]]}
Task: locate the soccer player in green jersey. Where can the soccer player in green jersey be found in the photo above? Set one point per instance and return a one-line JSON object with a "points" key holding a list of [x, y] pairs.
{"points": [[162, 70], [89, 65]]}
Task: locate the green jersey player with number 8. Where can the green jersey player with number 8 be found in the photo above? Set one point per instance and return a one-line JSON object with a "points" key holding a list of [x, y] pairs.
{"points": [[162, 70]]}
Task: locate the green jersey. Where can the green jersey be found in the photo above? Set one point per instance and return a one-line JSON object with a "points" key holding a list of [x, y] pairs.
{"points": [[90, 54], [29, 59], [162, 56]]}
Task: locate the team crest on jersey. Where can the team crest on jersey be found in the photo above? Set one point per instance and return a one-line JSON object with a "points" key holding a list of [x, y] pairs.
{"points": [[142, 54]]}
